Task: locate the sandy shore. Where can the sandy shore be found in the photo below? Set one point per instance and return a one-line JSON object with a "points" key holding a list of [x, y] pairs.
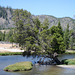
{"points": [[70, 50], [9, 48], [66, 66]]}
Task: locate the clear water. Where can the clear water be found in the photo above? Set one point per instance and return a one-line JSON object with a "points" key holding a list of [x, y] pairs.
{"points": [[37, 70]]}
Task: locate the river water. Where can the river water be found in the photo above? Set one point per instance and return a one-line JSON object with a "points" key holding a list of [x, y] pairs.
{"points": [[37, 70]]}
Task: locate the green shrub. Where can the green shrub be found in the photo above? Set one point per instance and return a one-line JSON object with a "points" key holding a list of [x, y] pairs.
{"points": [[69, 61], [70, 52], [10, 53]]}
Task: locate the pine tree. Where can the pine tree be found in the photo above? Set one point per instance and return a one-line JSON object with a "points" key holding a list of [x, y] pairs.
{"points": [[57, 41], [66, 37], [60, 28], [52, 40]]}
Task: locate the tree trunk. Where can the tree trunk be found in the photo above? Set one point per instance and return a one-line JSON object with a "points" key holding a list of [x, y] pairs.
{"points": [[55, 55], [56, 60]]}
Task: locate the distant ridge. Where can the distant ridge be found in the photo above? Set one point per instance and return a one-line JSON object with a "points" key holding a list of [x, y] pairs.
{"points": [[6, 19], [54, 21]]}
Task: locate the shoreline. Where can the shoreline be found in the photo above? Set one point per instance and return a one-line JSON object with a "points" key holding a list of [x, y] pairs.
{"points": [[7, 49], [10, 53], [66, 66], [10, 50], [70, 52]]}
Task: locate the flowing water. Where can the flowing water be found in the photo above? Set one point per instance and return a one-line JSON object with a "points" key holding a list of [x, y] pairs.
{"points": [[37, 70]]}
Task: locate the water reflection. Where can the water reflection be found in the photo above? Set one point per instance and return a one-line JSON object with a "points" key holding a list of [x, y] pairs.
{"points": [[48, 70], [37, 70]]}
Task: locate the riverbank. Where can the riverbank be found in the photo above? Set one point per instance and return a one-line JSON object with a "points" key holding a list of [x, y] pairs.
{"points": [[67, 63], [8, 47], [70, 52], [10, 53], [66, 66]]}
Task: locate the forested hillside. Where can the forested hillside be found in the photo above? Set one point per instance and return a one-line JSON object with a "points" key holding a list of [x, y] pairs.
{"points": [[38, 32], [6, 15], [6, 18], [54, 21]]}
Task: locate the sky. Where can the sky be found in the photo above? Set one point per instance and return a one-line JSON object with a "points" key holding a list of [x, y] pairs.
{"points": [[57, 8]]}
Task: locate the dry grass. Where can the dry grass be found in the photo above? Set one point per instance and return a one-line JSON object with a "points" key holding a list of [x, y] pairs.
{"points": [[7, 30], [70, 52], [8, 48], [8, 45]]}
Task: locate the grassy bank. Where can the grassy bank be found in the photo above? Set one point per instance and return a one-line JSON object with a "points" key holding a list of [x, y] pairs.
{"points": [[70, 52], [21, 66], [69, 61], [20, 53], [10, 53]]}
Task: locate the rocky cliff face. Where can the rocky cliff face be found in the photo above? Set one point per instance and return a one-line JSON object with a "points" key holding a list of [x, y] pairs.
{"points": [[6, 22], [54, 21]]}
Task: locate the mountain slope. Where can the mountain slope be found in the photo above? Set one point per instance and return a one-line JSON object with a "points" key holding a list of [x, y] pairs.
{"points": [[54, 21], [6, 19]]}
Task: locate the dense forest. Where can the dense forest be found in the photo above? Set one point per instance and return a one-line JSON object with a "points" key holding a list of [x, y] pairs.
{"points": [[6, 14], [3, 12], [6, 18], [37, 37], [32, 34]]}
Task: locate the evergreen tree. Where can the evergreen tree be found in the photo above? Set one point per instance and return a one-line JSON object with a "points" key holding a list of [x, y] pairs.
{"points": [[8, 35], [34, 36], [1, 36], [52, 40], [66, 37], [21, 21], [57, 41], [25, 33], [72, 37], [60, 28], [45, 24], [11, 40]]}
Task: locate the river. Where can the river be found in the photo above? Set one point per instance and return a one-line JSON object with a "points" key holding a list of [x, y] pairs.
{"points": [[37, 70]]}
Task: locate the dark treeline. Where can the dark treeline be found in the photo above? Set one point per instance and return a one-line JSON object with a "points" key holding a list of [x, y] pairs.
{"points": [[3, 12], [6, 17], [6, 36]]}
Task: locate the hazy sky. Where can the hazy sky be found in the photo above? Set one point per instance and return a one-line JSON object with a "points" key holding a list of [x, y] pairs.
{"points": [[57, 8]]}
